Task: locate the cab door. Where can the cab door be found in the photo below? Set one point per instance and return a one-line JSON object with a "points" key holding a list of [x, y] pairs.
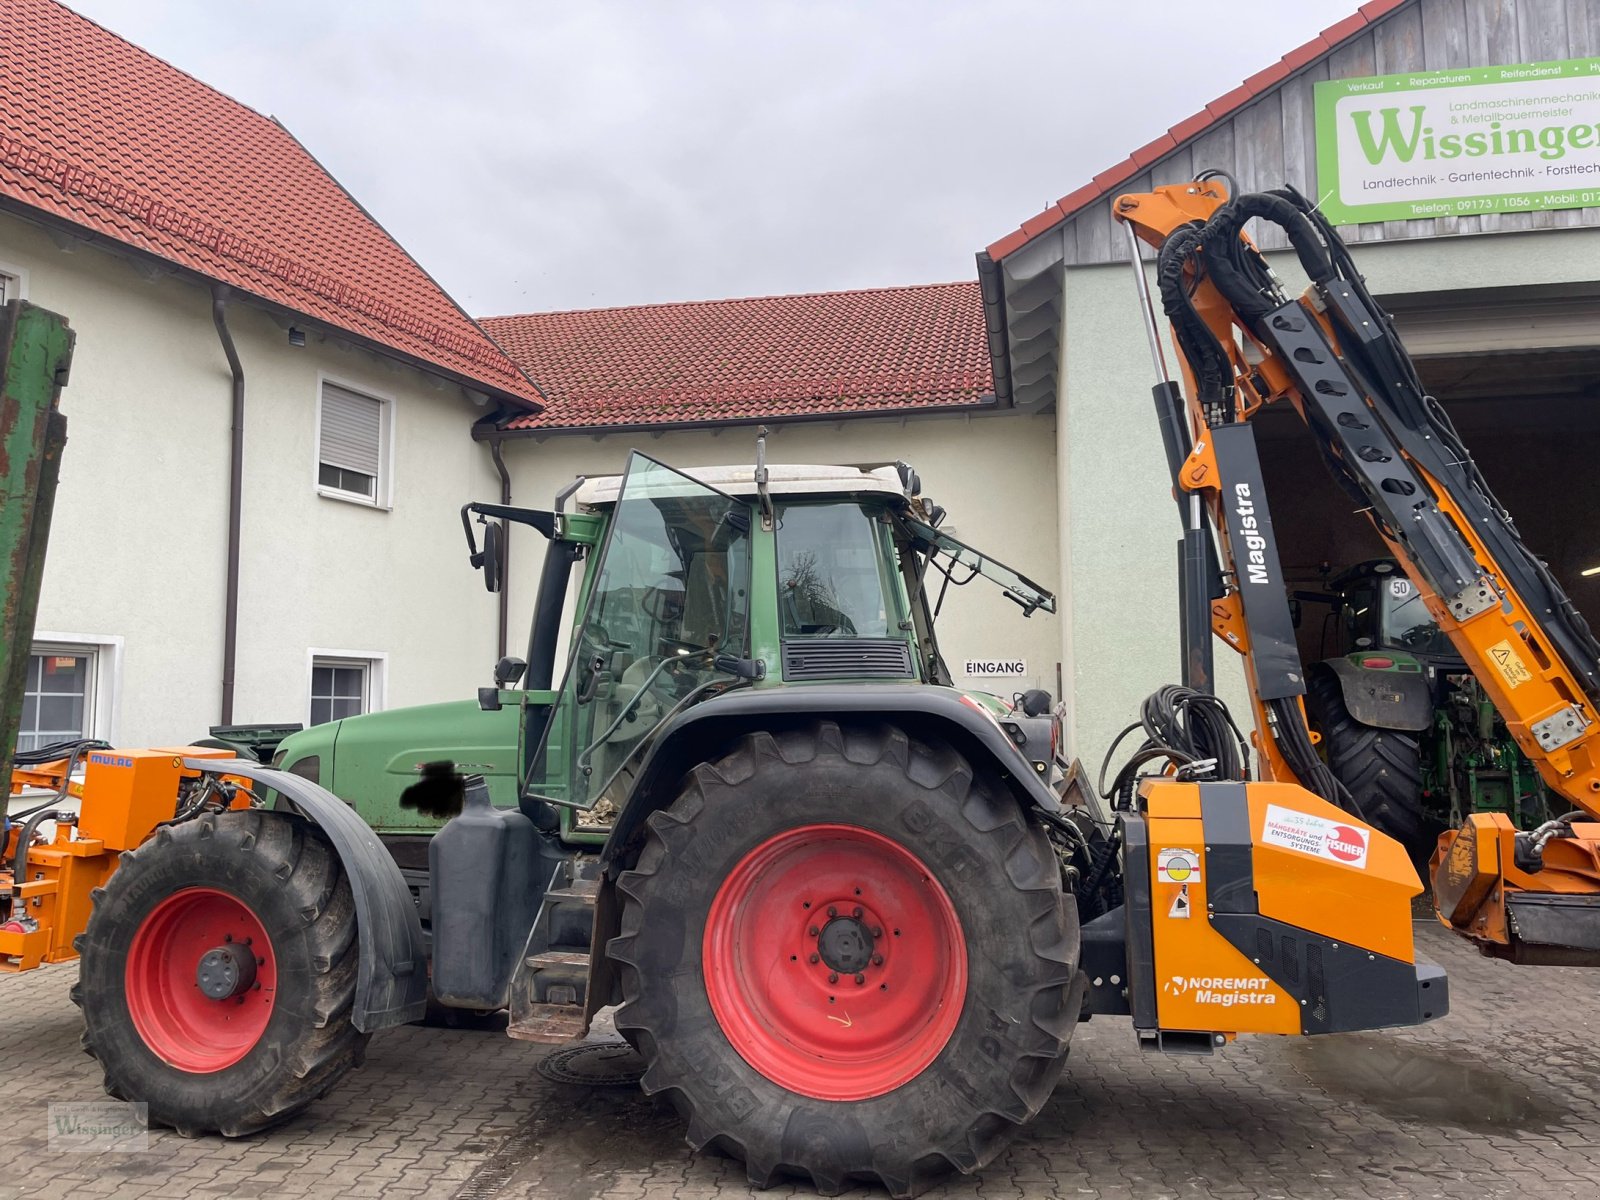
{"points": [[671, 593]]}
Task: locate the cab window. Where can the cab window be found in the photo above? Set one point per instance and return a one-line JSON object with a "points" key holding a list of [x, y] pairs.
{"points": [[835, 573]]}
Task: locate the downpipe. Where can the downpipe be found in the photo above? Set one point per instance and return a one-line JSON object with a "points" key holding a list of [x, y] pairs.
{"points": [[504, 597], [230, 620]]}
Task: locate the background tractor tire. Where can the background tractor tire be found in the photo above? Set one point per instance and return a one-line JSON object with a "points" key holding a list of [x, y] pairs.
{"points": [[1381, 768], [262, 881], [845, 956]]}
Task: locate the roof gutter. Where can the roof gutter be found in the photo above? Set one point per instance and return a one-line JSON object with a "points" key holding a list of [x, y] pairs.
{"points": [[992, 283], [488, 431], [230, 618]]}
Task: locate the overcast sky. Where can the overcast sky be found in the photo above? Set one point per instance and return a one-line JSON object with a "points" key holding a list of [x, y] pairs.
{"points": [[536, 155]]}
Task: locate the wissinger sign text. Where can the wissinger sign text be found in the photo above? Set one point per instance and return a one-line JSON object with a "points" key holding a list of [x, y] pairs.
{"points": [[1449, 143]]}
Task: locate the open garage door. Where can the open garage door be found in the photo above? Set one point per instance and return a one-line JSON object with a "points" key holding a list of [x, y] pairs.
{"points": [[1520, 376]]}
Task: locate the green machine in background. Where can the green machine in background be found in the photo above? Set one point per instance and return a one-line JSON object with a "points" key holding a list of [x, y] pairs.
{"points": [[1405, 725]]}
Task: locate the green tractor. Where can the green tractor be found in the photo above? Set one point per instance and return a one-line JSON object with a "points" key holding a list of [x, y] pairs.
{"points": [[755, 755], [1405, 725]]}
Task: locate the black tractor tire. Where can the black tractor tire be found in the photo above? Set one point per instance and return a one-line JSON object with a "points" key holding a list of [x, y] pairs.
{"points": [[1022, 993], [1380, 768], [281, 868]]}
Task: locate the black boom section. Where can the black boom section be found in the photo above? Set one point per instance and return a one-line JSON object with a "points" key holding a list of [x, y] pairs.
{"points": [[1258, 573], [1367, 455]]}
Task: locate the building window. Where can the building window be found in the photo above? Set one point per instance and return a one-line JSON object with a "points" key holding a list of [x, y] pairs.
{"points": [[58, 698], [353, 439], [13, 283], [345, 683]]}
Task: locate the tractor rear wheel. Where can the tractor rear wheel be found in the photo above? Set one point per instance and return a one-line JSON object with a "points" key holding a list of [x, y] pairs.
{"points": [[846, 956], [218, 973], [1380, 768]]}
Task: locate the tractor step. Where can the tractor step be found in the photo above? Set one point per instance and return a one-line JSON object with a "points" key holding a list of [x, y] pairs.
{"points": [[551, 1024], [550, 988], [583, 891], [558, 958]]}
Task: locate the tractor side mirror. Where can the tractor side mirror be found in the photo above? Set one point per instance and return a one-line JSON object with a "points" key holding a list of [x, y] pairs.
{"points": [[508, 670], [492, 557]]}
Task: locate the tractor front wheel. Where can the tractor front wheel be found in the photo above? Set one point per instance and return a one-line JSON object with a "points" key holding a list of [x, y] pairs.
{"points": [[218, 973], [845, 956]]}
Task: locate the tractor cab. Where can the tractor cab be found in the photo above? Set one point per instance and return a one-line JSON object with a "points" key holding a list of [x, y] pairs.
{"points": [[661, 590], [1380, 613]]}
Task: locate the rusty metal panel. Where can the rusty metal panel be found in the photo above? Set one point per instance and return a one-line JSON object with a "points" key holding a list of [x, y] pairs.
{"points": [[35, 355]]}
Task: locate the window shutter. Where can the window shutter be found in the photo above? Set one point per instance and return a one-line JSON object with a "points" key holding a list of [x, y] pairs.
{"points": [[351, 427]]}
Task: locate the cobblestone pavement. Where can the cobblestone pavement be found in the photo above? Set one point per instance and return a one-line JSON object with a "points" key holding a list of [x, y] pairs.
{"points": [[1502, 1098]]}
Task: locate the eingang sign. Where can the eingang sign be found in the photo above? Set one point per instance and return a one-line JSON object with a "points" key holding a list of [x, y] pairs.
{"points": [[1449, 143]]}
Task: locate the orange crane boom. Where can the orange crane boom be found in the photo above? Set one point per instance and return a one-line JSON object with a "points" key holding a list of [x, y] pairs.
{"points": [[1333, 355]]}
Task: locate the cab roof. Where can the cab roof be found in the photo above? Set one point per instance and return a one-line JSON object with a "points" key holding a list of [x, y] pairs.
{"points": [[781, 481]]}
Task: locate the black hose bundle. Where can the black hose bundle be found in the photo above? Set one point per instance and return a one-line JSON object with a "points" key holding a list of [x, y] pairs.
{"points": [[1190, 729]]}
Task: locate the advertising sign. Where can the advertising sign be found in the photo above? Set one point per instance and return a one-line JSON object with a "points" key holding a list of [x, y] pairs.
{"points": [[1450, 143]]}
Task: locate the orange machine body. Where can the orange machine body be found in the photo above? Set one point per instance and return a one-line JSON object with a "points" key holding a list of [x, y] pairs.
{"points": [[1267, 902], [123, 796]]}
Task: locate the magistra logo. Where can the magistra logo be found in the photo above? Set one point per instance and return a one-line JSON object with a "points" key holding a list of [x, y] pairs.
{"points": [[1255, 556], [1226, 991]]}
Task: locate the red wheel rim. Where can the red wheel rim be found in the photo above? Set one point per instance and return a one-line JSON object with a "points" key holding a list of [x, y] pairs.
{"points": [[811, 903], [181, 1023]]}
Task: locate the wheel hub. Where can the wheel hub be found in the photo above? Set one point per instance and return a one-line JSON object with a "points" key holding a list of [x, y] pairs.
{"points": [[226, 971], [846, 945]]}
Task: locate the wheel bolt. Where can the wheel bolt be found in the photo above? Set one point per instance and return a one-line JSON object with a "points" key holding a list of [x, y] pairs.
{"points": [[816, 958], [877, 931], [832, 911], [813, 931], [261, 961], [227, 937], [856, 911], [860, 979], [833, 977], [877, 960]]}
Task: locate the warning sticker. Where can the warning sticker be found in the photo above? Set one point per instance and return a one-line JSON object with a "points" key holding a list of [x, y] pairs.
{"points": [[1177, 866], [1180, 903], [1509, 663], [1317, 836]]}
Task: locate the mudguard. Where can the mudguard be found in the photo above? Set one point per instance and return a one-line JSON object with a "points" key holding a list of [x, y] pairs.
{"points": [[1384, 699], [921, 710], [392, 978]]}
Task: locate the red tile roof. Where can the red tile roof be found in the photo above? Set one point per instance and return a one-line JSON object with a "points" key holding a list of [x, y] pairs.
{"points": [[773, 357], [96, 132], [1191, 127]]}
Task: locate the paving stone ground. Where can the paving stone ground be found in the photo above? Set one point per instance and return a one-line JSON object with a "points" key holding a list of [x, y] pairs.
{"points": [[1502, 1098]]}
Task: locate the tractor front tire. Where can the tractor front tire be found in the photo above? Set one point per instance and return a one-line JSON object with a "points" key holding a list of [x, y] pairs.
{"points": [[845, 956], [1380, 768], [218, 973]]}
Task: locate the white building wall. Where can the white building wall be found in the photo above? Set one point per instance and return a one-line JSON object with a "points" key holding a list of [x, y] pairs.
{"points": [[995, 474], [1120, 545], [138, 545]]}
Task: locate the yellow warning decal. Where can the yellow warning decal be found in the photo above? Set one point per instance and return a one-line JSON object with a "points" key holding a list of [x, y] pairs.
{"points": [[1509, 663]]}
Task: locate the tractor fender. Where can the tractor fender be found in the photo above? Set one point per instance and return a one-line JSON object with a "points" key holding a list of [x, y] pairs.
{"points": [[1384, 699], [392, 976], [922, 711]]}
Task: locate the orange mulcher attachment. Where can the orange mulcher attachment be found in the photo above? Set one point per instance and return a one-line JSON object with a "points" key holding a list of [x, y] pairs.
{"points": [[46, 886]]}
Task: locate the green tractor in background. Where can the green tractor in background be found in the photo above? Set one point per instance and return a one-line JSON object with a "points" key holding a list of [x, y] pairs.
{"points": [[1406, 727]]}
